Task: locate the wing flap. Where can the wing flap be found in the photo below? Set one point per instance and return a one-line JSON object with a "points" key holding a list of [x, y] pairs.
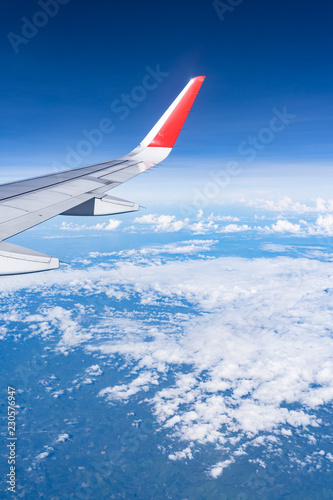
{"points": [[31, 219], [108, 205], [9, 213], [33, 202], [18, 260], [27, 203]]}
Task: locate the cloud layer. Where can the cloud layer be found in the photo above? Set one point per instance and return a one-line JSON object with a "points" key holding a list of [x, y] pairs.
{"points": [[281, 217], [229, 352]]}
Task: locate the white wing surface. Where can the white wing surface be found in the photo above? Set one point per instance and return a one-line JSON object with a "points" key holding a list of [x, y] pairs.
{"points": [[82, 191]]}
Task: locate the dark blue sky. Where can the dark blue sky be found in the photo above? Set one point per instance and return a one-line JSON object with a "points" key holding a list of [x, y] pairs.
{"points": [[263, 55]]}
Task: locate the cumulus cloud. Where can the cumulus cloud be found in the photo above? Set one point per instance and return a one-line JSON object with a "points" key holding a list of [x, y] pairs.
{"points": [[185, 247], [61, 320], [322, 227], [62, 438], [325, 224], [235, 228], [319, 221], [112, 225], [169, 223], [284, 226], [286, 204], [245, 366], [240, 357], [218, 468], [215, 224], [125, 391], [162, 223], [48, 450], [94, 371], [179, 455]]}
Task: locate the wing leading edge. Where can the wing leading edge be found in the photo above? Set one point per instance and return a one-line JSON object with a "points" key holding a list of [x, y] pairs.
{"points": [[82, 191]]}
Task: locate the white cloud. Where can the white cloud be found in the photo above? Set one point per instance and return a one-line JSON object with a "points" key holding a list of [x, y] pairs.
{"points": [[286, 204], [125, 391], [62, 438], [284, 226], [170, 223], [254, 337], [94, 371], [162, 223], [60, 320], [43, 455], [234, 228], [273, 351], [186, 247], [90, 375], [319, 221], [224, 218], [183, 454], [275, 247], [214, 224], [325, 224], [112, 225], [218, 468]]}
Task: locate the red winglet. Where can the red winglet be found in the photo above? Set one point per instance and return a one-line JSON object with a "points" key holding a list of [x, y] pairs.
{"points": [[169, 132]]}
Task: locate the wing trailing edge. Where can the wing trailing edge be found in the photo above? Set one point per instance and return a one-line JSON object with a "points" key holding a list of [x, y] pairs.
{"points": [[82, 191], [18, 260], [108, 205]]}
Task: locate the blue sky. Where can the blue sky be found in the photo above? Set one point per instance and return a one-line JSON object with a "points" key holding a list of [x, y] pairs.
{"points": [[221, 314], [261, 56]]}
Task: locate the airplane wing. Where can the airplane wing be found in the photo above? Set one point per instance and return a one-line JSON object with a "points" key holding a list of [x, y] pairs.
{"points": [[81, 191]]}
